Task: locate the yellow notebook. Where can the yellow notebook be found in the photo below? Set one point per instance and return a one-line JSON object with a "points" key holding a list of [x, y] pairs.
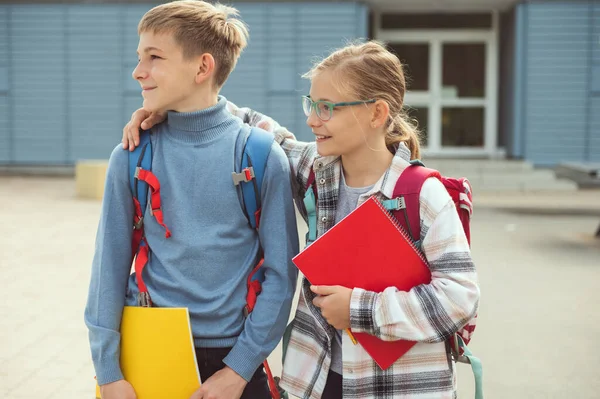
{"points": [[157, 353]]}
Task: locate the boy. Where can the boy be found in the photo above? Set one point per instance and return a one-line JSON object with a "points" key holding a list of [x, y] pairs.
{"points": [[187, 49]]}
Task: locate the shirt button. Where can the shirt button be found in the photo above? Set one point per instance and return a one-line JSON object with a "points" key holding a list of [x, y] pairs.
{"points": [[324, 219], [322, 181], [320, 165]]}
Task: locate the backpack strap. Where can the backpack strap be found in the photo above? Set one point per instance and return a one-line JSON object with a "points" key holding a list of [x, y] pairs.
{"points": [[249, 175], [475, 366], [405, 204], [310, 204], [140, 157], [142, 181], [250, 171], [255, 146]]}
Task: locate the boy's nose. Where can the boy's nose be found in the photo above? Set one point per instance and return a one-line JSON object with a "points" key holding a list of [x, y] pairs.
{"points": [[139, 73]]}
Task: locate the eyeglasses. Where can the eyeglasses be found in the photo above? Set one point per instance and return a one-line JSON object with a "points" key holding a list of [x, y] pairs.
{"points": [[324, 109]]}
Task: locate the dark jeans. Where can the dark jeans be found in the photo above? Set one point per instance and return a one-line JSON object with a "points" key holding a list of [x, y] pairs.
{"points": [[210, 360], [333, 386]]}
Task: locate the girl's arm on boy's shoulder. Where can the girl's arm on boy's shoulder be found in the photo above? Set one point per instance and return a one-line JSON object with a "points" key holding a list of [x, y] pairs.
{"points": [[430, 312], [300, 154], [110, 270]]}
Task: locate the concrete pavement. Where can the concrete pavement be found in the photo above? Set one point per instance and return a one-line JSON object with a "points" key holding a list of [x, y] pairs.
{"points": [[538, 323]]}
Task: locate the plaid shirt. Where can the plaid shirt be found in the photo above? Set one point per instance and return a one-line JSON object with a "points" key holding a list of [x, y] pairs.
{"points": [[428, 314]]}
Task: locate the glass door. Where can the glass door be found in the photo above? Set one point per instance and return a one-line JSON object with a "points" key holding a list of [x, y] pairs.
{"points": [[451, 79], [463, 95]]}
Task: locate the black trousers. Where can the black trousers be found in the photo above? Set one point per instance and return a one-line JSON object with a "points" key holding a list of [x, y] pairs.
{"points": [[333, 386], [210, 360]]}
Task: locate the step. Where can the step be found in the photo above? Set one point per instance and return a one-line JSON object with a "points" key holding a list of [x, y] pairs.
{"points": [[539, 174], [89, 178], [520, 183], [471, 165], [585, 174]]}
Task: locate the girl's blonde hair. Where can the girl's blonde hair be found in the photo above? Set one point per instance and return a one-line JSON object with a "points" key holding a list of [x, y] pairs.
{"points": [[369, 71], [200, 27]]}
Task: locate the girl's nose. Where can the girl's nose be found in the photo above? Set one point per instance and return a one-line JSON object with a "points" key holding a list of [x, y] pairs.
{"points": [[313, 120]]}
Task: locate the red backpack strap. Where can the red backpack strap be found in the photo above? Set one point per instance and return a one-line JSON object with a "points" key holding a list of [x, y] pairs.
{"points": [[408, 190], [311, 180]]}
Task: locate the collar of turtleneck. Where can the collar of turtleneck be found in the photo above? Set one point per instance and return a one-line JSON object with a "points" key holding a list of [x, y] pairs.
{"points": [[199, 126]]}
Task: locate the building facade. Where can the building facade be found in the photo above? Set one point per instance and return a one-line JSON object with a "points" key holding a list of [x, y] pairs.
{"points": [[488, 79]]}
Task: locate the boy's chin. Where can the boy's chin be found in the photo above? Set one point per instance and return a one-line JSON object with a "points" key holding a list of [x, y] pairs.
{"points": [[152, 106]]}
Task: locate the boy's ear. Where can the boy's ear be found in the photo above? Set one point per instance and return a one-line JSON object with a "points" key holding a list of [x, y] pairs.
{"points": [[381, 112], [206, 67]]}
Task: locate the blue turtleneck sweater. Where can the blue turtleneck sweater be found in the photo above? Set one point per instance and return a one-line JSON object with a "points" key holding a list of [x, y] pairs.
{"points": [[205, 264]]}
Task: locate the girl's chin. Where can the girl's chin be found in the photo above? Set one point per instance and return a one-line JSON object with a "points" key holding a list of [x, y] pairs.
{"points": [[324, 152]]}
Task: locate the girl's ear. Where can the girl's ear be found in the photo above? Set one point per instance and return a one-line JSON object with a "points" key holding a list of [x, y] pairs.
{"points": [[381, 112]]}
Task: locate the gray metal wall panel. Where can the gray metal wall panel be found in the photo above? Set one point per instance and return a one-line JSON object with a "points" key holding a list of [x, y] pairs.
{"points": [[593, 150], [130, 104], [556, 82], [519, 67], [596, 33], [4, 80], [247, 84], [4, 136], [285, 40], [507, 79], [95, 100], [284, 71], [131, 91], [285, 110], [3, 35], [5, 149], [38, 72], [594, 142], [131, 17], [84, 92]]}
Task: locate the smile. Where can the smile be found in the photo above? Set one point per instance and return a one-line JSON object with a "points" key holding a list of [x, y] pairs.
{"points": [[322, 138]]}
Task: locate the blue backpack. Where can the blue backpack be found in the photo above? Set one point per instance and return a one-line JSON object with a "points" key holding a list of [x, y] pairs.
{"points": [[248, 175]]}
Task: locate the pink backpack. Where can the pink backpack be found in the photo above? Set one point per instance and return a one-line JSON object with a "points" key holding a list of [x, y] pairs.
{"points": [[408, 189]]}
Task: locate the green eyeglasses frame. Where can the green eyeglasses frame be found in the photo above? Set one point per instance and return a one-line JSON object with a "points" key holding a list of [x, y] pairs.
{"points": [[308, 105]]}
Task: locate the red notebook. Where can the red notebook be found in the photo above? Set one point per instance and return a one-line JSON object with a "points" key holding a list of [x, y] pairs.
{"points": [[367, 249]]}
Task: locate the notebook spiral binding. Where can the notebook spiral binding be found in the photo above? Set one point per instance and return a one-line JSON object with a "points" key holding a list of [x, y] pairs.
{"points": [[403, 232]]}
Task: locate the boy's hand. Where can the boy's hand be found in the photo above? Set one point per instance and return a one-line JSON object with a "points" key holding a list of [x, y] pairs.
{"points": [[334, 302], [117, 390], [140, 118], [224, 384]]}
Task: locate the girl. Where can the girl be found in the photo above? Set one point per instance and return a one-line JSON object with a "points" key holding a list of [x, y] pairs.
{"points": [[364, 141]]}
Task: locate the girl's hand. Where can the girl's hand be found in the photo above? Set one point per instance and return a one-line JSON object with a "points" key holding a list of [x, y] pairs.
{"points": [[334, 302], [140, 118]]}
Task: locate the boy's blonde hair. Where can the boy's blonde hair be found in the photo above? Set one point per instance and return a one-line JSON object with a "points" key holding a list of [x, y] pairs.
{"points": [[369, 71], [200, 27]]}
